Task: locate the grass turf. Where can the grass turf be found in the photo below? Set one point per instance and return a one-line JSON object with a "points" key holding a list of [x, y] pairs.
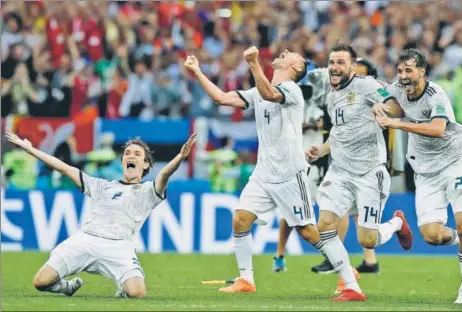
{"points": [[406, 283]]}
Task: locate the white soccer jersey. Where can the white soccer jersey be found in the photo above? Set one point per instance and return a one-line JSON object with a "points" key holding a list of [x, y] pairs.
{"points": [[118, 209], [430, 154], [279, 129], [356, 141]]}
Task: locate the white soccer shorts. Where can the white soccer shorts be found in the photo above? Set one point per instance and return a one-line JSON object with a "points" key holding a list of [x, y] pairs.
{"points": [[115, 259], [341, 191], [434, 191], [291, 197]]}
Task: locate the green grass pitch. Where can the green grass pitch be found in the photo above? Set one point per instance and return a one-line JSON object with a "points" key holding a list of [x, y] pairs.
{"points": [[405, 284]]}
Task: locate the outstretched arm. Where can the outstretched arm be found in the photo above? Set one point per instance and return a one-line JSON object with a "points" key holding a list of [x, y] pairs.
{"points": [[223, 98], [50, 161], [435, 128], [316, 152], [166, 172], [264, 87]]}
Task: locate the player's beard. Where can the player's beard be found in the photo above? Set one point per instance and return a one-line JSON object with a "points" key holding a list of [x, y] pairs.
{"points": [[343, 79]]}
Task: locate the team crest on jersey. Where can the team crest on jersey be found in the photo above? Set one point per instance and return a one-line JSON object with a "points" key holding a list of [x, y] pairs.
{"points": [[351, 97], [426, 112], [326, 183]]}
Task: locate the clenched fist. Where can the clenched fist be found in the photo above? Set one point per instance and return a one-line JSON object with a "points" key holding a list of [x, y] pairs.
{"points": [[192, 64], [251, 54]]}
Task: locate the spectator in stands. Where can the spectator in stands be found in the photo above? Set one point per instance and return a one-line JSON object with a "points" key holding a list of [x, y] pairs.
{"points": [[20, 169], [223, 171], [137, 101]]}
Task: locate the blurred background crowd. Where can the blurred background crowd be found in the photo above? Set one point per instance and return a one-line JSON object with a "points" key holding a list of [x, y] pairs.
{"points": [[124, 60]]}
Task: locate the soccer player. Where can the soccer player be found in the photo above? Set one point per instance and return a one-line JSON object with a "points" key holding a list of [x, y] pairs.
{"points": [[319, 80], [357, 176], [280, 178], [434, 149], [119, 208]]}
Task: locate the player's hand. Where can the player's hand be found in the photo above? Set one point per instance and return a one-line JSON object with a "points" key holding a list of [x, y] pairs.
{"points": [[381, 109], [251, 54], [24, 143], [313, 154], [192, 64], [384, 121], [186, 149]]}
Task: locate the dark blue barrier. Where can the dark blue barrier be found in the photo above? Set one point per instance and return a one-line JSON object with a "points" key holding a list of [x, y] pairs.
{"points": [[190, 220]]}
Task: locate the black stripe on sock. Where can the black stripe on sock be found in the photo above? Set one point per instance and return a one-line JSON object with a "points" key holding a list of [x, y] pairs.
{"points": [[319, 245], [327, 235], [460, 257], [453, 238], [241, 234]]}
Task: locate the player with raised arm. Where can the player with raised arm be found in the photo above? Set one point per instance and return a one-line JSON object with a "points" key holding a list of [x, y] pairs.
{"points": [[280, 179], [434, 149], [357, 176], [318, 80], [118, 210]]}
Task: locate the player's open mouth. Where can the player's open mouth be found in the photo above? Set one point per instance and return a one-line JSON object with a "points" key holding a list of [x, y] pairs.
{"points": [[335, 74], [407, 84], [131, 165]]}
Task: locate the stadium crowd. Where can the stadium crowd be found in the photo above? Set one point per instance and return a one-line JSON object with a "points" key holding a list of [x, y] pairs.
{"points": [[126, 58]]}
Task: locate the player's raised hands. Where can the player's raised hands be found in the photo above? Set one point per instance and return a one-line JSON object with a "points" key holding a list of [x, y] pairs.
{"points": [[13, 138], [251, 54], [186, 149], [192, 64]]}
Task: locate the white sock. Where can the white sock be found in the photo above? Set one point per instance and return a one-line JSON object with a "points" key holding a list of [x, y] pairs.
{"points": [[58, 287], [243, 244], [334, 250], [386, 230], [454, 240]]}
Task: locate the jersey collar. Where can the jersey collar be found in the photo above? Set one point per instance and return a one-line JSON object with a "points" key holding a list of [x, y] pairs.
{"points": [[343, 86], [126, 183]]}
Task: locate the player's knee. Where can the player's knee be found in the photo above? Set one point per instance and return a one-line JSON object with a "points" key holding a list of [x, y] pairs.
{"points": [[136, 291], [241, 222], [40, 282], [432, 236], [368, 241], [309, 233]]}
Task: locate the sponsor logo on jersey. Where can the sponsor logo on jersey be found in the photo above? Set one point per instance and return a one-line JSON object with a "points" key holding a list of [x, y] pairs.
{"points": [[384, 93], [116, 195]]}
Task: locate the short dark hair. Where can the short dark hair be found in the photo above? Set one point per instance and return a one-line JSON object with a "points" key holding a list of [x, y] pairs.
{"points": [[147, 152], [413, 54], [371, 69], [302, 74], [346, 48]]}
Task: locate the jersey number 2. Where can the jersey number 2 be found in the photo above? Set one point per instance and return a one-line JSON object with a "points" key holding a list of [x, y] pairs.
{"points": [[267, 115]]}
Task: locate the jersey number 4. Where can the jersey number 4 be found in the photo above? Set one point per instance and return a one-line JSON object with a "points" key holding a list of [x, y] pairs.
{"points": [[370, 212], [339, 117], [267, 115]]}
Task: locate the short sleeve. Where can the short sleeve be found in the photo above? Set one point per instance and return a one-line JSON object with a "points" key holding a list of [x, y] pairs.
{"points": [[441, 106], [248, 96], [375, 92], [291, 93], [154, 198], [91, 186]]}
